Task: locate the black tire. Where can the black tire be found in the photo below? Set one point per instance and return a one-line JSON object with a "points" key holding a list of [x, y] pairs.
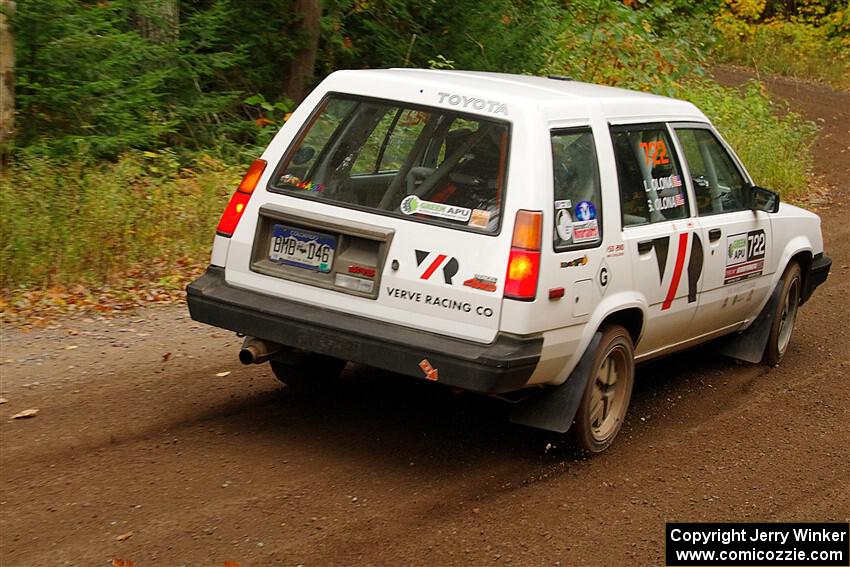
{"points": [[606, 398], [306, 372], [785, 315]]}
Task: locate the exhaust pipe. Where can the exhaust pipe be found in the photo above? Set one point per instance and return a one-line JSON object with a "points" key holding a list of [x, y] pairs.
{"points": [[257, 351]]}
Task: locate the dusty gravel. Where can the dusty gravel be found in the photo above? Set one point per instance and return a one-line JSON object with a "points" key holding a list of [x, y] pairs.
{"points": [[141, 451]]}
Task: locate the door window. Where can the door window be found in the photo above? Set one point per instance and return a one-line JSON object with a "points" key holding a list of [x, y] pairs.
{"points": [[651, 188], [718, 184], [578, 202]]}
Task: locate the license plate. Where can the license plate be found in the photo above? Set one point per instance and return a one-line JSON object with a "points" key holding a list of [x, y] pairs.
{"points": [[302, 248]]}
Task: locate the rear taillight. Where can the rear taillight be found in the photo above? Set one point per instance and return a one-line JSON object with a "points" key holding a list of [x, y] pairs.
{"points": [[524, 260], [239, 200]]}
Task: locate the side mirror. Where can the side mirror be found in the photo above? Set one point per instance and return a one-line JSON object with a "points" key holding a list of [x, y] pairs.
{"points": [[761, 199]]}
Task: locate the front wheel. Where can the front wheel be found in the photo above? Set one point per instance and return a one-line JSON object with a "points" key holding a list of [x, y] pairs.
{"points": [[609, 390], [785, 315]]}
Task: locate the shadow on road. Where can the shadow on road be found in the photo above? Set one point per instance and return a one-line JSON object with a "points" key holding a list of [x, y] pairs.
{"points": [[376, 416]]}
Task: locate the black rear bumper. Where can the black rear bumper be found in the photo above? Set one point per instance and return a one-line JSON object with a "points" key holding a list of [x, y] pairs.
{"points": [[503, 366], [818, 271]]}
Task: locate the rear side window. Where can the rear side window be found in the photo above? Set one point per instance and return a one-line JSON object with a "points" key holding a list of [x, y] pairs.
{"points": [[718, 185], [578, 202], [651, 188], [424, 164]]}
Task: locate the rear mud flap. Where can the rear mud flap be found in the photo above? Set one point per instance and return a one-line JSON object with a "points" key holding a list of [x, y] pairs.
{"points": [[749, 346], [554, 409]]}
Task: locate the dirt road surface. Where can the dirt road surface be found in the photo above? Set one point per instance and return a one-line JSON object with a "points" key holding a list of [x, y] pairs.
{"points": [[140, 450]]}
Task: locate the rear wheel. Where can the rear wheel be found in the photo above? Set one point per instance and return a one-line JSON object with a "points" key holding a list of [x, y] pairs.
{"points": [[785, 315], [306, 371], [606, 397]]}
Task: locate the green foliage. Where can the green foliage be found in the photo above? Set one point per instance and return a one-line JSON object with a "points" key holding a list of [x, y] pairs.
{"points": [[781, 47], [440, 62], [283, 106], [88, 223], [91, 79], [773, 143], [270, 116], [87, 81], [816, 12], [488, 35], [505, 36], [92, 82], [653, 48], [799, 38]]}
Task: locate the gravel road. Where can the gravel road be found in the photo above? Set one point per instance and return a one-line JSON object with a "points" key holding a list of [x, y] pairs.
{"points": [[142, 449]]}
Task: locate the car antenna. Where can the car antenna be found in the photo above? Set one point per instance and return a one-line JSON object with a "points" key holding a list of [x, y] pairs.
{"points": [[560, 77]]}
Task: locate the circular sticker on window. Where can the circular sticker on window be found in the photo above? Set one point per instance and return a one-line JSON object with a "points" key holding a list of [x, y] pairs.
{"points": [[564, 225], [585, 211]]}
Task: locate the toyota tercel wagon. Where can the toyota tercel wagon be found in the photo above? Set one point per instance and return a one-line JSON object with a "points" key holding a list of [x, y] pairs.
{"points": [[526, 237]]}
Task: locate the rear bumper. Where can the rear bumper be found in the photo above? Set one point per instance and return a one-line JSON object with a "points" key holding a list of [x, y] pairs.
{"points": [[502, 366], [817, 274]]}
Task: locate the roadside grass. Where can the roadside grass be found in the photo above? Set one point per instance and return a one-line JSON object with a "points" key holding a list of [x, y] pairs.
{"points": [[773, 142], [68, 230], [793, 49]]}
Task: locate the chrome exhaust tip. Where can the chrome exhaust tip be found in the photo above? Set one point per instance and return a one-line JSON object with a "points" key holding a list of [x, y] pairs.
{"points": [[257, 351]]}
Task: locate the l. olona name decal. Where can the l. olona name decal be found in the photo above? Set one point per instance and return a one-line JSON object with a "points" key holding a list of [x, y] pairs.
{"points": [[744, 256]]}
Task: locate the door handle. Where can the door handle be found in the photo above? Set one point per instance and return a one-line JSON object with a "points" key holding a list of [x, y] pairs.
{"points": [[644, 246], [714, 234]]}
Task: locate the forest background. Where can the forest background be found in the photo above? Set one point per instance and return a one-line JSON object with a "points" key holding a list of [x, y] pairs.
{"points": [[126, 124]]}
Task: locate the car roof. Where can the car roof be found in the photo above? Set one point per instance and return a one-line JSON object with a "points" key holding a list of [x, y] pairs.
{"points": [[544, 91]]}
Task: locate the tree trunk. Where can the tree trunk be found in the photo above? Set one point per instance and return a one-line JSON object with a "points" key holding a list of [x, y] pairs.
{"points": [[7, 78], [159, 20], [301, 69]]}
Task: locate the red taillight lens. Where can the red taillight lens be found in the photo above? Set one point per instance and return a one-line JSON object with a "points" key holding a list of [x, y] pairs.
{"points": [[523, 267], [524, 260], [232, 213], [252, 176], [239, 200]]}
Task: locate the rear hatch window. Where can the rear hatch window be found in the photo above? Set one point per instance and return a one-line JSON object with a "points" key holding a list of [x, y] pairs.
{"points": [[423, 164]]}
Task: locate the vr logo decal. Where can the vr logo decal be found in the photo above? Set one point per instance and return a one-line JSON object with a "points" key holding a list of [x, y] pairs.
{"points": [[694, 267], [677, 271], [661, 245], [450, 267], [694, 270]]}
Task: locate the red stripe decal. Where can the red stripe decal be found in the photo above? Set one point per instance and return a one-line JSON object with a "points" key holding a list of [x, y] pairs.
{"points": [[433, 267], [677, 271]]}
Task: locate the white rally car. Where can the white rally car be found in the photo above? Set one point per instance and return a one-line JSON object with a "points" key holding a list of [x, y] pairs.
{"points": [[520, 236]]}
